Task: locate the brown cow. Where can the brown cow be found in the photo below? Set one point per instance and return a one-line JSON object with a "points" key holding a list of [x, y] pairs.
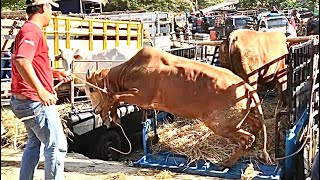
{"points": [[257, 57], [154, 79]]}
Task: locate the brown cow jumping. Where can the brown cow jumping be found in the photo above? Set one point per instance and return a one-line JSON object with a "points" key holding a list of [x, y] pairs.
{"points": [[257, 57], [154, 79]]}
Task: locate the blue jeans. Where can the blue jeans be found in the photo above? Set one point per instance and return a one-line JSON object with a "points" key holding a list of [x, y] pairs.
{"points": [[45, 129], [315, 168]]}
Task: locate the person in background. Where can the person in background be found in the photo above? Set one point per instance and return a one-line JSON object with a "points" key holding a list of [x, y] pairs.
{"points": [[295, 18], [274, 9], [313, 25], [6, 63], [33, 96]]}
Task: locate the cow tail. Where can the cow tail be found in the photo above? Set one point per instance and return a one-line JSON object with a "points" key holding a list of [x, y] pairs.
{"points": [[231, 48]]}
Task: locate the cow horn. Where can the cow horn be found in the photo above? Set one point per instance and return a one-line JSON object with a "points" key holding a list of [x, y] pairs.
{"points": [[88, 74]]}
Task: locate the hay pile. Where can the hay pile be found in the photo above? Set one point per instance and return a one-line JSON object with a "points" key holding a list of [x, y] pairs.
{"points": [[193, 139], [9, 120]]}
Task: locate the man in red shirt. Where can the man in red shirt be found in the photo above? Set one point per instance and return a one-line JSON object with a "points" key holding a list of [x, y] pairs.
{"points": [[33, 94]]}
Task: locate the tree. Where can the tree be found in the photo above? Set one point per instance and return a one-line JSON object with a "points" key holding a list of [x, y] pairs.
{"points": [[12, 4]]}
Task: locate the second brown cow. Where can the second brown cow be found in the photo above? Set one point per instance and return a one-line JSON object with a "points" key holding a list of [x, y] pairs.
{"points": [[257, 57], [154, 79]]}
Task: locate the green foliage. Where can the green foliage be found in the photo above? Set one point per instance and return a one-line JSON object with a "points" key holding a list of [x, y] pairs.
{"points": [[150, 5], [280, 4], [178, 5], [12, 4]]}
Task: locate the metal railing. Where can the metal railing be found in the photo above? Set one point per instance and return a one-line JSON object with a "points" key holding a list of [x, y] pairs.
{"points": [[303, 97], [5, 81]]}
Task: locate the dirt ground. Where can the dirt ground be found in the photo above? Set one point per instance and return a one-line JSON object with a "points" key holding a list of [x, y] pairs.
{"points": [[80, 167]]}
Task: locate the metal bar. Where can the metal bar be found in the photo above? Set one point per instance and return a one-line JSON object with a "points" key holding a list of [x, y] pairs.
{"points": [[117, 35], [90, 36], [210, 43], [140, 36], [105, 35], [56, 35], [79, 97], [72, 86], [67, 33], [128, 34]]}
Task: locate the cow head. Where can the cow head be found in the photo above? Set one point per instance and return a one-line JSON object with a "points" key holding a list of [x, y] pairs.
{"points": [[101, 102], [105, 103]]}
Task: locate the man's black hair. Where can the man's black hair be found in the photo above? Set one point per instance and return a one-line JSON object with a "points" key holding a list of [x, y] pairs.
{"points": [[32, 9]]}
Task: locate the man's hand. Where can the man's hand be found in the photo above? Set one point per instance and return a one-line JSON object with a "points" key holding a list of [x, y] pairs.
{"points": [[47, 98], [64, 76]]}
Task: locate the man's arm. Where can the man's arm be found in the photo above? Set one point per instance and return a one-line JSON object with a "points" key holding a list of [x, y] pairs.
{"points": [[25, 69]]}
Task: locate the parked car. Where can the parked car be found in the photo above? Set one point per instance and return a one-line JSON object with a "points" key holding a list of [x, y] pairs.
{"points": [[232, 23], [269, 22]]}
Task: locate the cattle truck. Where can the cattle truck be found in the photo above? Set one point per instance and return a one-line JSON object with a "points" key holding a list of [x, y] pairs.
{"points": [[158, 24], [296, 128]]}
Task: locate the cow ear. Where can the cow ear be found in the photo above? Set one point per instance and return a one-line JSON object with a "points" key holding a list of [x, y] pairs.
{"points": [[104, 73]]}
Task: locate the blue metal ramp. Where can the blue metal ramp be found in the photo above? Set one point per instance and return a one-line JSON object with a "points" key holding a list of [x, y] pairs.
{"points": [[179, 163]]}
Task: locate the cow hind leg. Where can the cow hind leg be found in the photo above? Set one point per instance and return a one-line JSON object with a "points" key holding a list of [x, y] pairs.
{"points": [[256, 126]]}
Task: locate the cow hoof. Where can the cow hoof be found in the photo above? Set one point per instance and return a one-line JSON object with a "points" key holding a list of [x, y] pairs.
{"points": [[267, 158], [226, 164], [221, 167]]}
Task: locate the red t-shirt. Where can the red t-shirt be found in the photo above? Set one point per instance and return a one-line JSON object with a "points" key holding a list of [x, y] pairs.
{"points": [[30, 44]]}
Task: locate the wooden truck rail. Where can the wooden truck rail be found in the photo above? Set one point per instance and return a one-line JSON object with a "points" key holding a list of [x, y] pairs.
{"points": [[91, 34]]}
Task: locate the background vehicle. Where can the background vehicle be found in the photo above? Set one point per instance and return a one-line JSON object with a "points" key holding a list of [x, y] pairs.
{"points": [[224, 26], [238, 22], [269, 22]]}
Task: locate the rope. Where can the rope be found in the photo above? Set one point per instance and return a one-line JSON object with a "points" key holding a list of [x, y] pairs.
{"points": [[124, 134], [103, 90], [296, 152]]}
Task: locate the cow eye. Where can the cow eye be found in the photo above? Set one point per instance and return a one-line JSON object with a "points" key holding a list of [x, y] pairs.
{"points": [[91, 90]]}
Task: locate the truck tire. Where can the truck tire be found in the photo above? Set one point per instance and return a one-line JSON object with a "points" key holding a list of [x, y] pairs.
{"points": [[108, 139]]}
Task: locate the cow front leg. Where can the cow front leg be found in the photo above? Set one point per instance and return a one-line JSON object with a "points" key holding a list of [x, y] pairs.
{"points": [[245, 140], [242, 137]]}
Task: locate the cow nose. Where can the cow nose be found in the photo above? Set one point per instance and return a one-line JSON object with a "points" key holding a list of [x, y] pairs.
{"points": [[91, 90]]}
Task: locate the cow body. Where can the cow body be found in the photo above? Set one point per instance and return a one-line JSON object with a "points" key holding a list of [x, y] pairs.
{"points": [[257, 57], [154, 79]]}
